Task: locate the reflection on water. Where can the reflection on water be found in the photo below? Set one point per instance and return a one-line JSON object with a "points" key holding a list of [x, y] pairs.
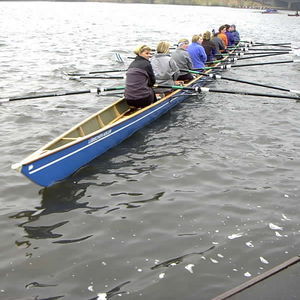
{"points": [[177, 260], [42, 232], [61, 198], [132, 204], [113, 292]]}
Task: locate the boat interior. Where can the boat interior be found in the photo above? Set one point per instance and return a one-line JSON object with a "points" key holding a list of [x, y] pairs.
{"points": [[113, 113], [104, 118]]}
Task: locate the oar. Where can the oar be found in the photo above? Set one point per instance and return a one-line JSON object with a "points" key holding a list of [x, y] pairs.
{"points": [[257, 44], [266, 44], [214, 61], [214, 68], [96, 77], [264, 55], [249, 65], [216, 76], [54, 94], [205, 90], [271, 49], [268, 52], [95, 72], [118, 70], [119, 58], [266, 63]]}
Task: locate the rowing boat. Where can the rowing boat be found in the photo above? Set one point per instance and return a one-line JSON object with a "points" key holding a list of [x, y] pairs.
{"points": [[92, 137]]}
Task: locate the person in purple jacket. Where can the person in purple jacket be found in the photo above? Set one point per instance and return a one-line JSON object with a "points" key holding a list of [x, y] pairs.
{"points": [[140, 79], [197, 52], [235, 33], [230, 36]]}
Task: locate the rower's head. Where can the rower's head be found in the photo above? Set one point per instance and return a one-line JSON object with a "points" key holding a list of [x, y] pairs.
{"points": [[197, 38], [227, 26], [144, 51], [183, 43], [222, 29], [163, 47], [206, 36]]}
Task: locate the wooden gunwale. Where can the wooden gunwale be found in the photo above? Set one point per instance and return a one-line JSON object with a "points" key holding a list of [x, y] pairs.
{"points": [[43, 152]]}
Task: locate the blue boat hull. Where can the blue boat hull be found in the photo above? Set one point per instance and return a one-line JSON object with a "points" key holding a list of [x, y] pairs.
{"points": [[61, 164]]}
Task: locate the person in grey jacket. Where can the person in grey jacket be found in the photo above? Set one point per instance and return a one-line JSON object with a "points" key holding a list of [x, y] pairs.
{"points": [[164, 67], [183, 59]]}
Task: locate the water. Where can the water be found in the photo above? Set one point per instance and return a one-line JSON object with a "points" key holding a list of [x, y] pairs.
{"points": [[221, 171]]}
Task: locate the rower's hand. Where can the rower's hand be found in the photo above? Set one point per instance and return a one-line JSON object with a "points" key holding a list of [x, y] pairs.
{"points": [[179, 82]]}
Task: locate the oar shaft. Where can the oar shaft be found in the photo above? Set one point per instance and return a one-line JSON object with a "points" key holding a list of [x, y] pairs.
{"points": [[96, 77], [268, 52], [264, 63], [264, 55], [96, 72], [249, 94], [175, 87], [266, 44], [55, 94], [193, 72], [268, 49], [205, 89], [215, 76], [251, 83], [45, 95]]}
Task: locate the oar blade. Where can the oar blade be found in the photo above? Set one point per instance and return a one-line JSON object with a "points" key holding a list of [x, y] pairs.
{"points": [[119, 58]]}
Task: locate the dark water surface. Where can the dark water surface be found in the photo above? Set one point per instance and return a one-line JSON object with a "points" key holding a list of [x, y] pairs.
{"points": [[192, 205]]}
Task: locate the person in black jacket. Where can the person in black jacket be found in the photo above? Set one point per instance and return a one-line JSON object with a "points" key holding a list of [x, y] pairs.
{"points": [[140, 79]]}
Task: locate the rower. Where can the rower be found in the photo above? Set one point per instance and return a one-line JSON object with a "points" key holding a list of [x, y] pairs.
{"points": [[140, 79], [235, 34], [220, 47], [230, 37], [183, 59], [209, 46], [222, 35], [197, 52], [165, 68]]}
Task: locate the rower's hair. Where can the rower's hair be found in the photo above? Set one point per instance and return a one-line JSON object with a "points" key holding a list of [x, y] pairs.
{"points": [[163, 47], [207, 36], [141, 49], [221, 28], [196, 38], [182, 42]]}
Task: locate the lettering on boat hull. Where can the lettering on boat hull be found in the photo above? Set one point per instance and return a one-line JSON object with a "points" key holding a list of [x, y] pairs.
{"points": [[99, 136]]}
